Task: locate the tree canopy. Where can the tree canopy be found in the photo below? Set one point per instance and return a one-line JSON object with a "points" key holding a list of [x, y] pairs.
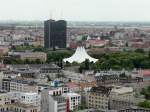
{"points": [[120, 60], [145, 104]]}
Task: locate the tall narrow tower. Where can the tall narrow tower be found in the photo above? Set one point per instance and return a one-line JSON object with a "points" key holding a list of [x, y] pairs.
{"points": [[55, 34]]}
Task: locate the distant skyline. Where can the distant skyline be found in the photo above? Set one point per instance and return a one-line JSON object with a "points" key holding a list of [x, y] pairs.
{"points": [[75, 10]]}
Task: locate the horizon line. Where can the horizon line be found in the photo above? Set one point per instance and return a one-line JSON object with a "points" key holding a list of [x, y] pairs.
{"points": [[19, 20]]}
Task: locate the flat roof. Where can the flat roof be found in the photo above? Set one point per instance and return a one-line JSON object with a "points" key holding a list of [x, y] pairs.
{"points": [[121, 89], [71, 94]]}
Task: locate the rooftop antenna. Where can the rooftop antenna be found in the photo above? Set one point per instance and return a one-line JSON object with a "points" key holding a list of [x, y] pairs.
{"points": [[51, 15], [61, 15]]}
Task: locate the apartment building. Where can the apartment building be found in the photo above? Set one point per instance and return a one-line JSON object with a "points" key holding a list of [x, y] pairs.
{"points": [[73, 101], [23, 85], [19, 102], [36, 70], [121, 97], [6, 84], [19, 84], [98, 98], [29, 98], [29, 55], [51, 102], [107, 77]]}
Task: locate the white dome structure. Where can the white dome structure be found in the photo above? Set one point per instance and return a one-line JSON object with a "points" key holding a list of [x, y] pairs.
{"points": [[80, 56]]}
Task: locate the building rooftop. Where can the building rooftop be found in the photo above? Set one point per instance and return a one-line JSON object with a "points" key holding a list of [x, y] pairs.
{"points": [[72, 85], [24, 81], [30, 93], [101, 89], [122, 90], [25, 53], [71, 94], [3, 92], [33, 66]]}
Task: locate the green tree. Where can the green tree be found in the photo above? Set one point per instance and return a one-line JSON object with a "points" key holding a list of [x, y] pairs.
{"points": [[48, 78], [87, 64], [145, 104], [139, 50], [84, 38], [127, 44], [26, 61], [38, 61], [149, 54]]}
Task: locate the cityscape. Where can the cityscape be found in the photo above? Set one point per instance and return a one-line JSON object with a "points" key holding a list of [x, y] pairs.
{"points": [[75, 65]]}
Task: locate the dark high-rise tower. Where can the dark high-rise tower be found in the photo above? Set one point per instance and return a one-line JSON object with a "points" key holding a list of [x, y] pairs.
{"points": [[55, 34]]}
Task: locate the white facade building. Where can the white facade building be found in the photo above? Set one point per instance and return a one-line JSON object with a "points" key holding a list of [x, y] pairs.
{"points": [[74, 100], [19, 102], [30, 98], [55, 91]]}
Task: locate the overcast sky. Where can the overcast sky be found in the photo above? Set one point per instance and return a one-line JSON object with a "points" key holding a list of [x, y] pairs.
{"points": [[76, 10]]}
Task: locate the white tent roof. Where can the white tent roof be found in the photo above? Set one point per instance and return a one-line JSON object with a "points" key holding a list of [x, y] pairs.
{"points": [[80, 56]]}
